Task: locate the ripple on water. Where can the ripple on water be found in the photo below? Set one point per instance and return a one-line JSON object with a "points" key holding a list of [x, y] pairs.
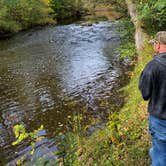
{"points": [[49, 74]]}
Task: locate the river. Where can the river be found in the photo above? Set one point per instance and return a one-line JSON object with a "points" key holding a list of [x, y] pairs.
{"points": [[50, 74]]}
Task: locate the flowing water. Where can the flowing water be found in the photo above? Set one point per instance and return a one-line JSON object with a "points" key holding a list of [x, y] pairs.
{"points": [[51, 74]]}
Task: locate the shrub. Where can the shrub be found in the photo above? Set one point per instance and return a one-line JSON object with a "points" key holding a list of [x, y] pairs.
{"points": [[67, 8], [153, 13], [20, 14]]}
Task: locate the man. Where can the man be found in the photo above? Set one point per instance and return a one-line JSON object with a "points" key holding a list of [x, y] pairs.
{"points": [[152, 84]]}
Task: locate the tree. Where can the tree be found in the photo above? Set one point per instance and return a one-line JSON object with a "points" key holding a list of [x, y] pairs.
{"points": [[67, 8], [20, 14], [153, 13]]}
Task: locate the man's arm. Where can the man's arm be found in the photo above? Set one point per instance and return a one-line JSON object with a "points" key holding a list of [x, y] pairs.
{"points": [[145, 82]]}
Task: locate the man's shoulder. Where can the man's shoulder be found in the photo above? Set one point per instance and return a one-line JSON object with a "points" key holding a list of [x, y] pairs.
{"points": [[151, 64]]}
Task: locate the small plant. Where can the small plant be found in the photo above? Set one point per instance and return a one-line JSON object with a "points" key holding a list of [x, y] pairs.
{"points": [[127, 47], [127, 50], [21, 134], [68, 150]]}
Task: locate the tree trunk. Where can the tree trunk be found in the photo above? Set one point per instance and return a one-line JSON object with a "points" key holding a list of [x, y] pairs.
{"points": [[139, 33]]}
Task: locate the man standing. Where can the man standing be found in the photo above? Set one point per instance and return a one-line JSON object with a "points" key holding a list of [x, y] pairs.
{"points": [[152, 84]]}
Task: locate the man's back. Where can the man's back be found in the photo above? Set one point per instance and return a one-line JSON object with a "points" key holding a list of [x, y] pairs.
{"points": [[152, 85]]}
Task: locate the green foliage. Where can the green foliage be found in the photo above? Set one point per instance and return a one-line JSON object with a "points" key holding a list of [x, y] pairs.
{"points": [[127, 50], [68, 150], [67, 8], [120, 6], [20, 14], [133, 123], [6, 24], [21, 134], [153, 14], [127, 47], [126, 29]]}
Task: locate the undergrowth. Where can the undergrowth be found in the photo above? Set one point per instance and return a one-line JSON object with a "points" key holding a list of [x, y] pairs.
{"points": [[127, 47]]}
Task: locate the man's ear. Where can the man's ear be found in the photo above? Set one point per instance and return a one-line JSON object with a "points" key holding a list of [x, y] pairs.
{"points": [[158, 45]]}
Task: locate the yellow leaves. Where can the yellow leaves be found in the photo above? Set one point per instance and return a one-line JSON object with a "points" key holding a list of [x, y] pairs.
{"points": [[21, 134], [20, 161], [18, 129], [33, 148], [39, 139], [113, 139], [46, 2], [39, 129], [69, 117], [126, 129]]}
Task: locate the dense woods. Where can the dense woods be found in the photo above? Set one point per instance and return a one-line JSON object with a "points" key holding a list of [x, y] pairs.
{"points": [[151, 12]]}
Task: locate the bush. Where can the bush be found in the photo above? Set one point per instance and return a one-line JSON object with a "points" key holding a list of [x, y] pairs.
{"points": [[20, 14], [153, 14], [127, 47], [67, 8]]}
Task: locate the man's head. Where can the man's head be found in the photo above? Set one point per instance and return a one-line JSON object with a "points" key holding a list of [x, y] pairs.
{"points": [[159, 42]]}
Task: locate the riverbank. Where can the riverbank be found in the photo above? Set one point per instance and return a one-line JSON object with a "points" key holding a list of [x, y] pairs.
{"points": [[96, 14], [49, 87], [125, 139], [16, 15]]}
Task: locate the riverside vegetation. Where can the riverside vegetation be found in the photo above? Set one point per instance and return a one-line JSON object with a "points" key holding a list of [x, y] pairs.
{"points": [[16, 15], [125, 139]]}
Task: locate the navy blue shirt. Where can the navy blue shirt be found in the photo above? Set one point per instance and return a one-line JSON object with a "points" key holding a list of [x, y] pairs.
{"points": [[152, 84]]}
